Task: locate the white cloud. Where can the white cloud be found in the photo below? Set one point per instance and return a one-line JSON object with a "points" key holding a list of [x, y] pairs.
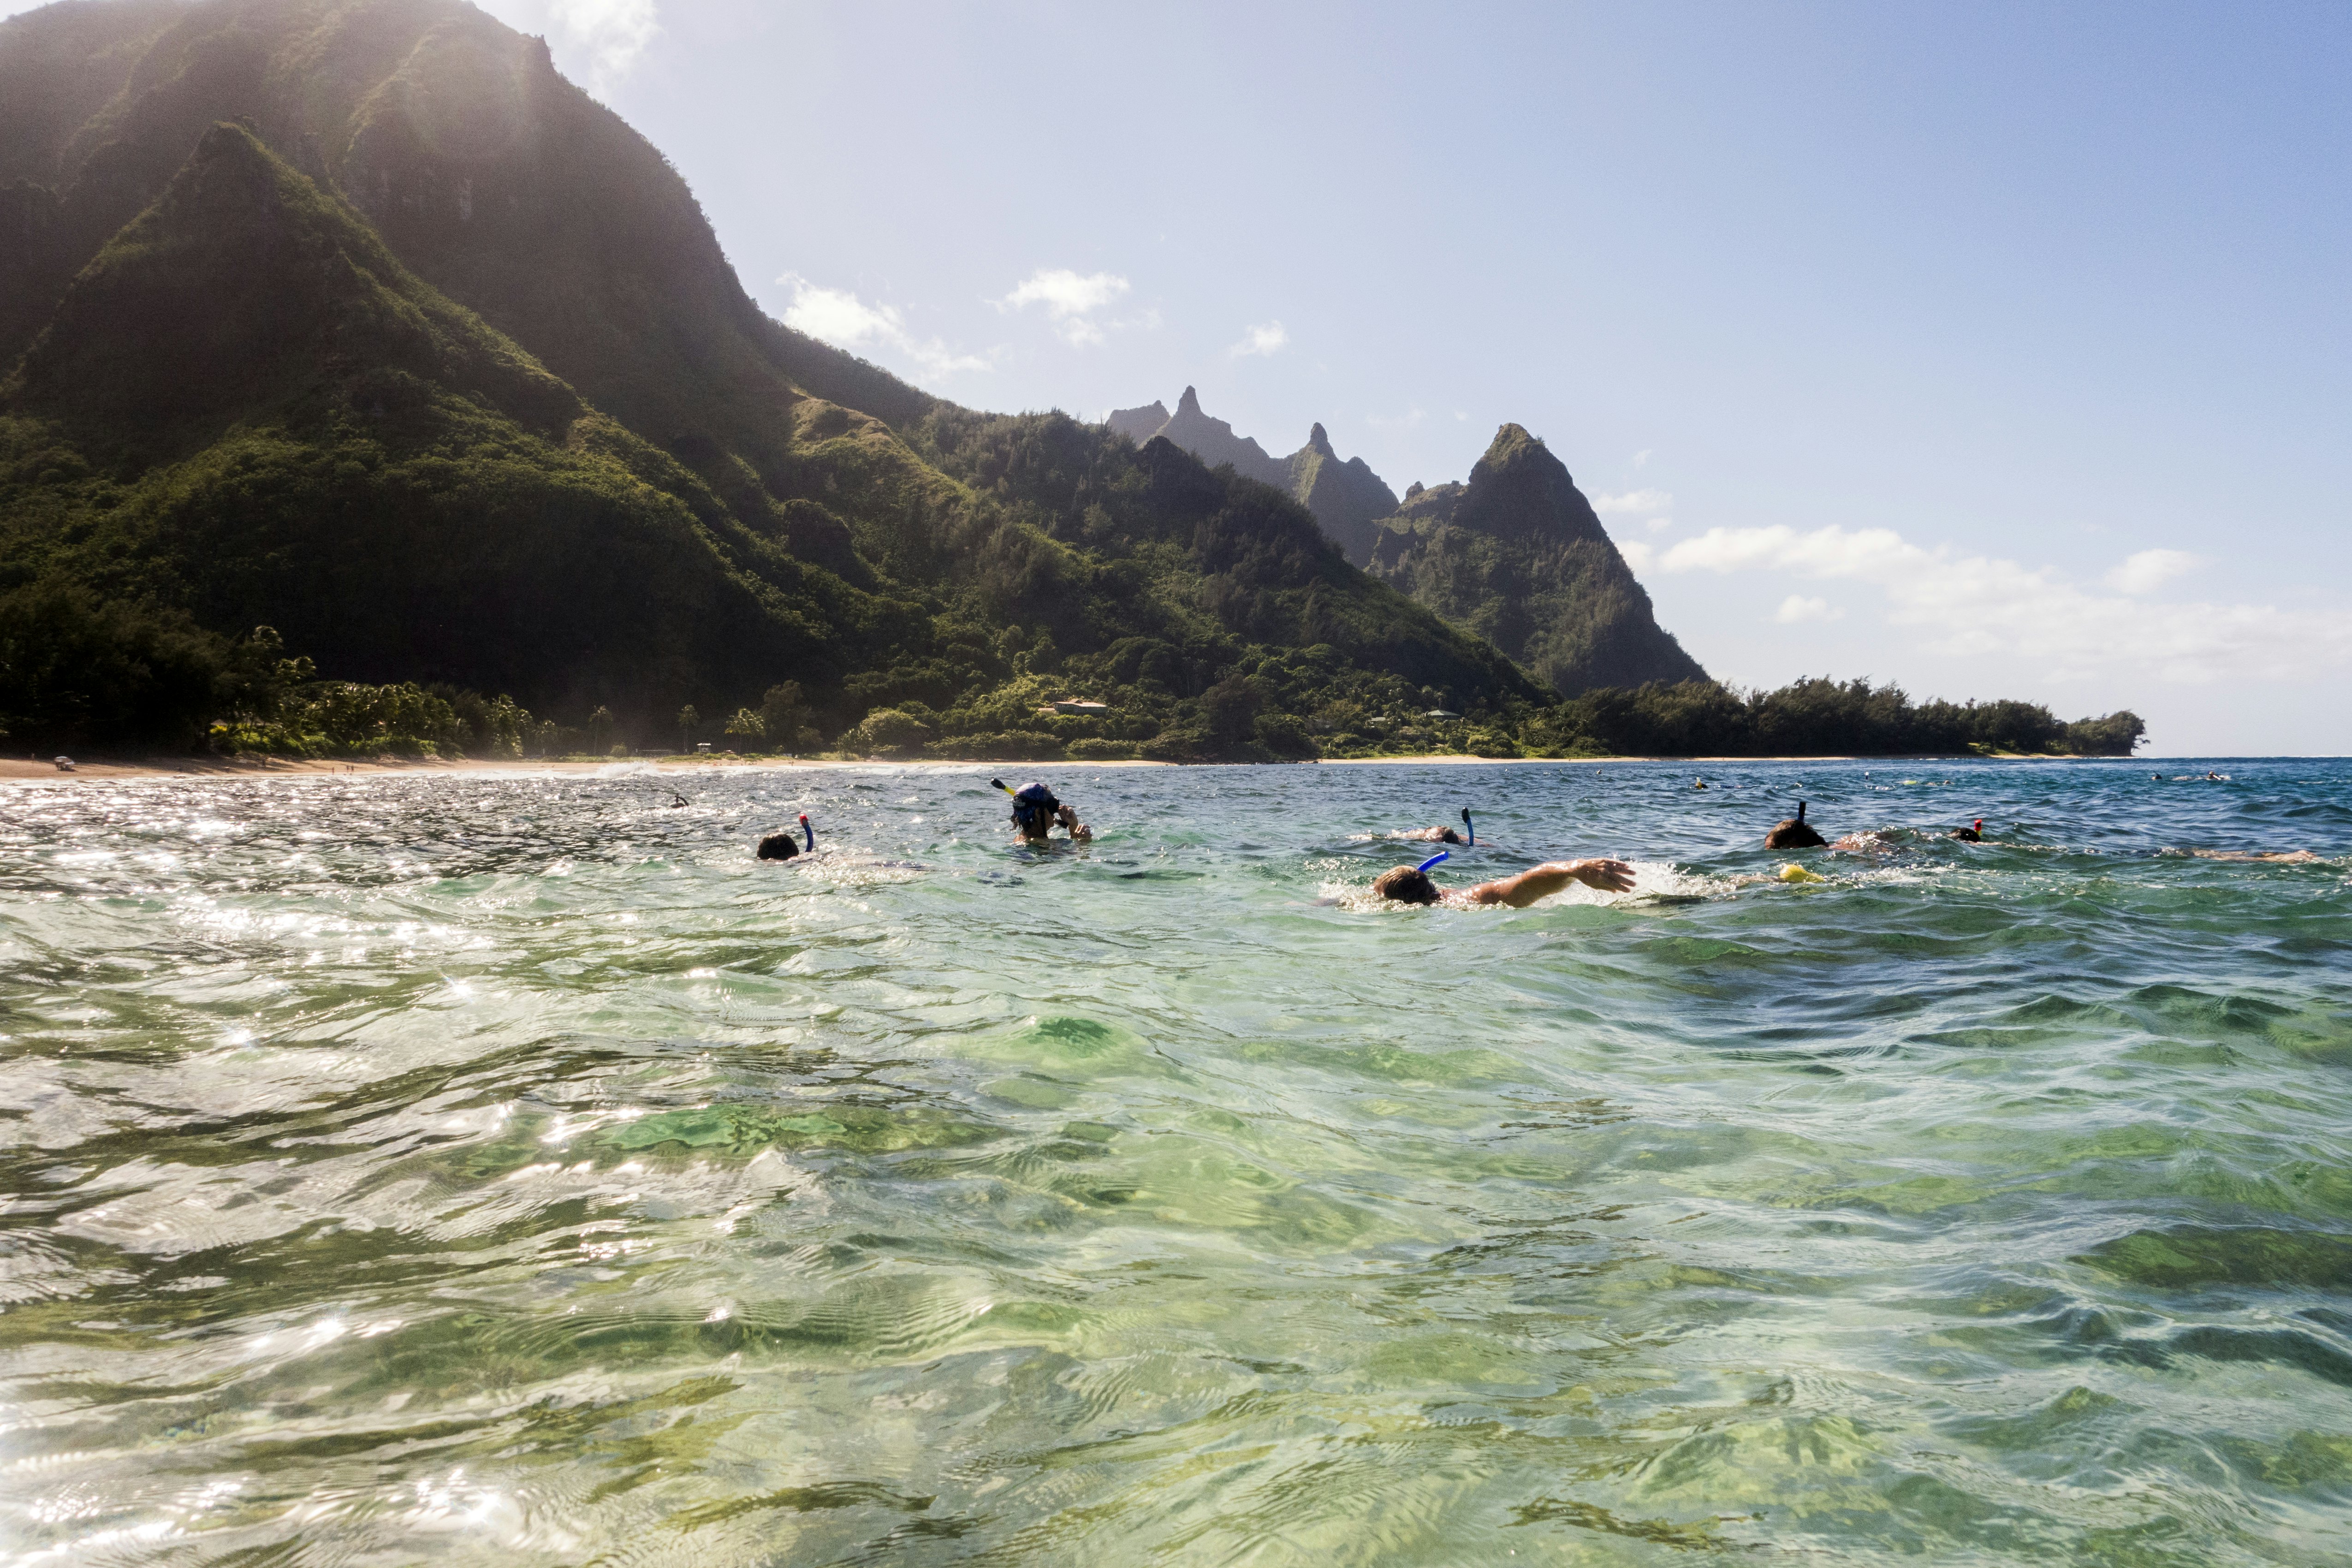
{"points": [[2152, 568], [1797, 608], [1639, 556], [838, 317], [1637, 502], [1070, 299], [614, 33], [1260, 339], [1980, 606], [1656, 523]]}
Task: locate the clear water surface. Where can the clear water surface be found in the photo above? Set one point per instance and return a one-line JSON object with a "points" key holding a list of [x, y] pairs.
{"points": [[511, 1169]]}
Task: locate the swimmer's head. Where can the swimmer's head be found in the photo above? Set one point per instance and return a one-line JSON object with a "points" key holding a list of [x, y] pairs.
{"points": [[778, 846], [1447, 835], [1407, 885]]}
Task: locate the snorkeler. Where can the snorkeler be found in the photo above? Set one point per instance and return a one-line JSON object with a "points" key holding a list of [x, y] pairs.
{"points": [[1411, 884], [1446, 834], [1035, 811], [1793, 832], [1973, 834], [779, 846]]}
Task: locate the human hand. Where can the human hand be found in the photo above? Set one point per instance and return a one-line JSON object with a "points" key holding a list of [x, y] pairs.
{"points": [[1606, 875]]}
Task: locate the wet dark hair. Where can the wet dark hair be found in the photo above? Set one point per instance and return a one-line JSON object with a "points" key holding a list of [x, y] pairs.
{"points": [[779, 846], [1447, 835], [1406, 884]]}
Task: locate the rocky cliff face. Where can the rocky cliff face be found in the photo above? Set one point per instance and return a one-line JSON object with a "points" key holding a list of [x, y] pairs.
{"points": [[1139, 425], [1518, 556], [1213, 442], [1346, 497]]}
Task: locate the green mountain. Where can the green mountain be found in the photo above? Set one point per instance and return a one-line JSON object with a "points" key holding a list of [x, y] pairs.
{"points": [[353, 318], [1518, 556]]}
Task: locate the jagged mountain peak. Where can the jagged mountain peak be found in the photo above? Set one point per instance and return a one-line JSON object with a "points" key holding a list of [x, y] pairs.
{"points": [[1517, 556], [1345, 497]]}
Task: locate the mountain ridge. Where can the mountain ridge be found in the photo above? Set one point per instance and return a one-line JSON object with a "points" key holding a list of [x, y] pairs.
{"points": [[1526, 567]]}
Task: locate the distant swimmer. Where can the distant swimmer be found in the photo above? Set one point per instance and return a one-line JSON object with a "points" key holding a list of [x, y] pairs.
{"points": [[2272, 856], [1446, 834], [1793, 832], [779, 846], [1035, 811], [1974, 834], [1698, 783], [1411, 884]]}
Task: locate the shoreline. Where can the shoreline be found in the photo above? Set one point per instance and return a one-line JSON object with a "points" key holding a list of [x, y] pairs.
{"points": [[23, 771]]}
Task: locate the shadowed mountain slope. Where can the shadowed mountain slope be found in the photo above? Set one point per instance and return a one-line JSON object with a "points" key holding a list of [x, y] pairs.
{"points": [[1518, 556], [1348, 498], [487, 173], [246, 407]]}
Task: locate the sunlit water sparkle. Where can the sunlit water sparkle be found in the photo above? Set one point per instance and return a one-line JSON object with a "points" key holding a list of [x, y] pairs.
{"points": [[511, 1169]]}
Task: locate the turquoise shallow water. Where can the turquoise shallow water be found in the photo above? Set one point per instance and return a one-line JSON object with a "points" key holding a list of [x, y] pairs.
{"points": [[511, 1170]]}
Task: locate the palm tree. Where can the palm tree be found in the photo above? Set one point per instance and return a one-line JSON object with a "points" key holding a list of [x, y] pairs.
{"points": [[747, 725]]}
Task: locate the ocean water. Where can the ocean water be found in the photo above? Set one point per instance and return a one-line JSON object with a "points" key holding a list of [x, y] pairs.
{"points": [[511, 1169]]}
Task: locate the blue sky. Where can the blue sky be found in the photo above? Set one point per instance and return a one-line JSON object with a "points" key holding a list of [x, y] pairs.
{"points": [[1996, 350]]}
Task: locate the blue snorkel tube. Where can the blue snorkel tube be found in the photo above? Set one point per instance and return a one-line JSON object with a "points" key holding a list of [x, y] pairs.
{"points": [[1434, 859], [1474, 831], [809, 833]]}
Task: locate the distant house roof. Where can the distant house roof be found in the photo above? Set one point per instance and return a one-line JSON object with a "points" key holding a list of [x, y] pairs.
{"points": [[1079, 707], [1440, 713]]}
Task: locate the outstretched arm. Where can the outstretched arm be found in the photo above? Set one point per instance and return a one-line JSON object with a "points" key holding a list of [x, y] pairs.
{"points": [[1519, 892]]}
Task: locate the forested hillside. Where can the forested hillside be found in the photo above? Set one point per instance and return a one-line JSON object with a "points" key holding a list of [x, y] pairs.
{"points": [[358, 320], [353, 322]]}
